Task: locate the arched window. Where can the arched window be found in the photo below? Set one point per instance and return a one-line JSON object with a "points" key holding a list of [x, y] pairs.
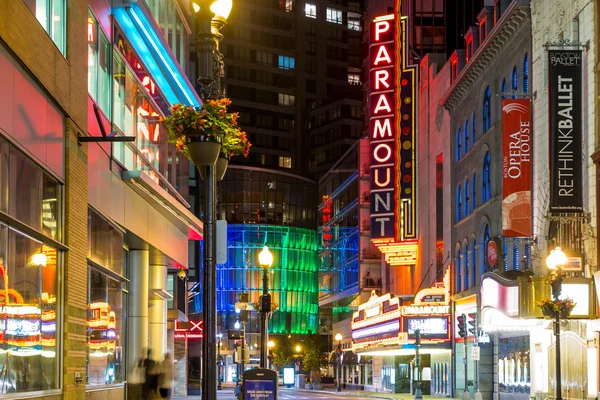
{"points": [[467, 256], [526, 74], [487, 112], [459, 203], [474, 262], [503, 88], [474, 197], [505, 251], [457, 266], [486, 239], [466, 137], [486, 187], [458, 145], [474, 129], [467, 197], [515, 83], [516, 265]]}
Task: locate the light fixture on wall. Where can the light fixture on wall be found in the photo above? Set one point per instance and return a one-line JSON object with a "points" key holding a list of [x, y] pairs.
{"points": [[40, 259], [181, 274]]}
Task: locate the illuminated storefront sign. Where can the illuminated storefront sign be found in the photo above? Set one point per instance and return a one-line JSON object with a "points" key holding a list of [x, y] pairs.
{"points": [[430, 327], [376, 321], [194, 331], [392, 140], [325, 219], [383, 322]]}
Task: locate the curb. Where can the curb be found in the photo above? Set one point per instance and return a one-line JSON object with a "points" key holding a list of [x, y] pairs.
{"points": [[375, 395], [349, 393]]}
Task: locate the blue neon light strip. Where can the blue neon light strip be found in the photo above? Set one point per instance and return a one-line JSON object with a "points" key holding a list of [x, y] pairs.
{"points": [[185, 93], [144, 53]]}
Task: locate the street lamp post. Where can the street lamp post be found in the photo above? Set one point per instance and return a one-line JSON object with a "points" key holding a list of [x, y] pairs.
{"points": [[339, 338], [418, 392], [554, 261], [219, 362], [265, 259], [211, 17]]}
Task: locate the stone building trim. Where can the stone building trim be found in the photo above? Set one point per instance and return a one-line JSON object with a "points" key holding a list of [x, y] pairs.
{"points": [[511, 26]]}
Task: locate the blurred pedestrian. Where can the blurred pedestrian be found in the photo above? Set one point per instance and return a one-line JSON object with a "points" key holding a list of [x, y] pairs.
{"points": [[152, 370], [166, 378], [136, 380]]}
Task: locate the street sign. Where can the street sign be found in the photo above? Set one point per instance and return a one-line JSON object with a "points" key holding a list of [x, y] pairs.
{"points": [[475, 354], [259, 384]]}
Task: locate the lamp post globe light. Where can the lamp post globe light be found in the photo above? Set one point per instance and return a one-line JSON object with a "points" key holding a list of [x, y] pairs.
{"points": [[555, 260], [265, 259], [339, 337], [211, 16]]}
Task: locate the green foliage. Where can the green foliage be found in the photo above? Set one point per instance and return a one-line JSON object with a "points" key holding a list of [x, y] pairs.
{"points": [[283, 354], [315, 356], [211, 120]]}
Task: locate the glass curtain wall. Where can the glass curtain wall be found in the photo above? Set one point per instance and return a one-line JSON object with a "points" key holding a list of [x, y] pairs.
{"points": [[127, 95], [292, 279], [167, 15]]}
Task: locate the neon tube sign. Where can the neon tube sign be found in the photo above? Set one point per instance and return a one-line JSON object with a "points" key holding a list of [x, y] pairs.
{"points": [[391, 132]]}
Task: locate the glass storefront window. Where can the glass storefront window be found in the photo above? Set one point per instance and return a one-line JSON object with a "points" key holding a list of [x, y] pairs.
{"points": [[169, 20], [51, 14], [28, 329], [105, 329], [513, 365], [126, 93], [29, 194], [105, 243]]}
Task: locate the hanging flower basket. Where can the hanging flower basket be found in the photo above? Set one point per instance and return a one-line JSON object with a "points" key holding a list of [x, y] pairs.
{"points": [[221, 167], [551, 307], [222, 163], [203, 150], [203, 133]]}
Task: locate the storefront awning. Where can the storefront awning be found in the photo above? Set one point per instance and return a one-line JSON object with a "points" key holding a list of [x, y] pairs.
{"points": [[165, 203], [350, 358]]}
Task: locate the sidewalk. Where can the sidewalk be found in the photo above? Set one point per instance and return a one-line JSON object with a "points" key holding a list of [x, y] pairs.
{"points": [[373, 395]]}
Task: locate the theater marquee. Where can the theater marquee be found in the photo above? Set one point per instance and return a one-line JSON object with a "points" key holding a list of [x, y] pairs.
{"points": [[392, 140]]}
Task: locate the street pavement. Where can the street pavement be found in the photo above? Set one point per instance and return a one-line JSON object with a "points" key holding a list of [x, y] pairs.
{"points": [[294, 394]]}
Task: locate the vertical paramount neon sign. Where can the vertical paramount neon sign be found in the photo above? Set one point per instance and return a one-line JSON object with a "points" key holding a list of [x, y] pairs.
{"points": [[392, 133]]}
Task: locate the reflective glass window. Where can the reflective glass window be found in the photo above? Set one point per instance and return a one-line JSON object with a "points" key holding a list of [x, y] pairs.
{"points": [[51, 14], [105, 333], [29, 298]]}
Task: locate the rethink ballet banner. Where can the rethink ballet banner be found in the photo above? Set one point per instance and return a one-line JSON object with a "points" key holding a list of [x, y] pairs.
{"points": [[565, 107]]}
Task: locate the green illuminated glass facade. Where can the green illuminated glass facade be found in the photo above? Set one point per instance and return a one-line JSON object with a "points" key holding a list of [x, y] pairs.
{"points": [[292, 278], [277, 209]]}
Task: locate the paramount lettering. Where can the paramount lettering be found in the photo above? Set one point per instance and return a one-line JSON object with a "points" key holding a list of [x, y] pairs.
{"points": [[382, 128], [425, 310]]}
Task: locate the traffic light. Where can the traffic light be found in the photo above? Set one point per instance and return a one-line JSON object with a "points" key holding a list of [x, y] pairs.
{"points": [[417, 337], [472, 324], [265, 303], [462, 319]]}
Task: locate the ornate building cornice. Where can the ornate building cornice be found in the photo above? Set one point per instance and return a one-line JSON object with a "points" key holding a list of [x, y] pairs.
{"points": [[511, 28]]}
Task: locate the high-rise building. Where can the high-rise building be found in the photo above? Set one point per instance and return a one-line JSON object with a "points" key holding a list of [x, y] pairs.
{"points": [[293, 72]]}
